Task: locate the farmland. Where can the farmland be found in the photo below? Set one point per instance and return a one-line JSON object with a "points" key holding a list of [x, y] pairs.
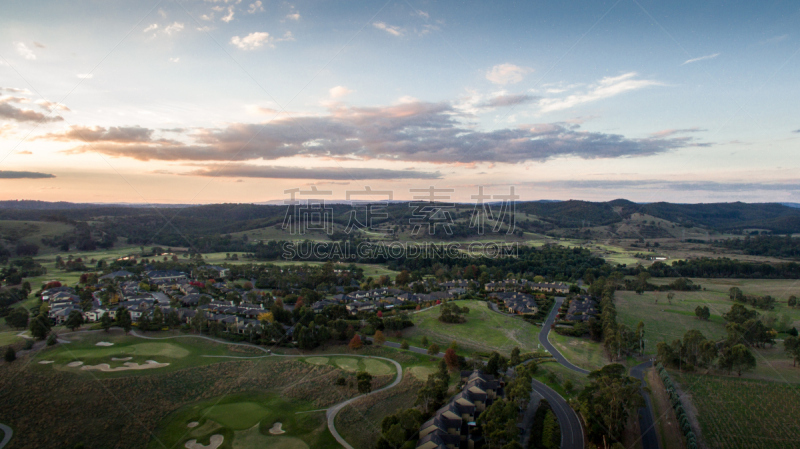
{"points": [[484, 330], [743, 413]]}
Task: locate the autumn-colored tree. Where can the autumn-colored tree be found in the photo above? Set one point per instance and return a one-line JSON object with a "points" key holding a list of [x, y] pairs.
{"points": [[355, 343], [299, 303], [380, 314], [378, 338], [451, 359], [266, 316]]}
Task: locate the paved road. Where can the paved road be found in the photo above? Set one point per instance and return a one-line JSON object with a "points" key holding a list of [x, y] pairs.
{"points": [[331, 411], [646, 422], [571, 427], [7, 433], [543, 334]]}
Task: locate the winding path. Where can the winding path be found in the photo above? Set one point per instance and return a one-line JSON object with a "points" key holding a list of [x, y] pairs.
{"points": [[646, 424], [545, 332], [7, 433], [333, 410]]}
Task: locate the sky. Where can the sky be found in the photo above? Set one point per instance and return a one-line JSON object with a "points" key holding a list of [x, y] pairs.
{"points": [[240, 101]]}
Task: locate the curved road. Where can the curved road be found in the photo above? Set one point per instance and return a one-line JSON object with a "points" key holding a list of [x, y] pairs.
{"points": [[331, 412], [646, 423], [7, 433], [543, 334]]}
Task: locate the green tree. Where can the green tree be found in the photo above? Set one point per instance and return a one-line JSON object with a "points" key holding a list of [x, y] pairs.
{"points": [[106, 321], [404, 345], [515, 360], [52, 339], [10, 355], [551, 431], [378, 339], [123, 319], [158, 318], [791, 345], [364, 380], [433, 350], [40, 326], [18, 318], [74, 320], [172, 320], [608, 401], [424, 341], [793, 301], [737, 358]]}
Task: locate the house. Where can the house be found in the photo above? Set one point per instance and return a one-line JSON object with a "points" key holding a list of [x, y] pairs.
{"points": [[117, 275]]}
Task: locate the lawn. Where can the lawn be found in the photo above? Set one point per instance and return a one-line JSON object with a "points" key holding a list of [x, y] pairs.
{"points": [[484, 330], [244, 420], [179, 353], [742, 413], [353, 364], [666, 322], [581, 352]]}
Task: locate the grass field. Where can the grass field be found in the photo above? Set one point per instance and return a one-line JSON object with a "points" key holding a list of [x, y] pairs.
{"points": [[743, 414], [245, 420], [180, 353], [666, 322], [33, 231], [581, 352], [485, 330]]}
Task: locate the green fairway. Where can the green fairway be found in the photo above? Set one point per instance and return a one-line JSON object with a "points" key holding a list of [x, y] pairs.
{"points": [[352, 364], [179, 352], [484, 330], [245, 420]]}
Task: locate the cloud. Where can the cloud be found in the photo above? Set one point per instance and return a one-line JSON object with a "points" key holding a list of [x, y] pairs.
{"points": [[175, 27], [255, 7], [24, 51], [174, 59], [701, 58], [796, 131], [15, 90], [506, 100], [391, 29], [252, 41], [11, 112], [339, 92], [228, 17], [5, 174], [122, 134], [293, 16], [50, 105], [651, 184], [775, 40], [38, 45], [605, 88], [85, 76], [331, 173], [417, 131], [150, 28], [507, 74], [672, 132]]}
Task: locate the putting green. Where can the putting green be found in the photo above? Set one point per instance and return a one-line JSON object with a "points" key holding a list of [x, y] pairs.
{"points": [[377, 367], [252, 438], [317, 360], [421, 372], [237, 415], [141, 349], [346, 363]]}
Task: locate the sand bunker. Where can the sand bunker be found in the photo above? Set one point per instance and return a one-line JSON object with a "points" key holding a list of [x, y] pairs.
{"points": [[276, 429], [192, 424], [45, 362], [103, 343], [216, 441], [74, 364], [120, 359], [105, 367]]}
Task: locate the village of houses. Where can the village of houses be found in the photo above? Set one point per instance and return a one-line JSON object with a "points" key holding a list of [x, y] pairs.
{"points": [[237, 308]]}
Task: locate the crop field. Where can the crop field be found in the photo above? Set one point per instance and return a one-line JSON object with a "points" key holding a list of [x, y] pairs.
{"points": [[484, 330], [744, 414]]}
